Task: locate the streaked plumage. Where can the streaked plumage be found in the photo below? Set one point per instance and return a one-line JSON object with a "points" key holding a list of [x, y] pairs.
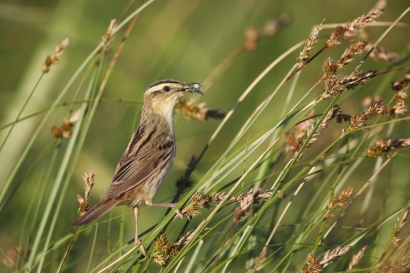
{"points": [[149, 155]]}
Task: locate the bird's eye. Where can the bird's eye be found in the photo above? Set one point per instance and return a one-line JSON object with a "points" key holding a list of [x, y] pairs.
{"points": [[166, 88]]}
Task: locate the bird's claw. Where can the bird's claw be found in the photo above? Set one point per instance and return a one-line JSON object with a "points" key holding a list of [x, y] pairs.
{"points": [[179, 213]]}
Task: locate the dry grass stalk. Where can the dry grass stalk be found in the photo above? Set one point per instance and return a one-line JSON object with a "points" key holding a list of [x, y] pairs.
{"points": [[400, 86], [381, 53], [394, 266], [64, 130], [201, 200], [347, 56], [304, 128], [107, 38], [260, 261], [357, 122], [339, 201], [357, 257], [199, 111], [401, 83], [330, 79], [375, 108], [397, 239], [254, 35], [316, 266], [294, 144], [165, 249], [185, 239], [108, 35], [332, 255], [352, 28], [312, 41], [159, 259], [335, 112], [335, 85], [381, 4], [357, 77], [55, 59], [246, 200], [88, 185], [384, 146], [313, 265], [273, 26], [15, 257]]}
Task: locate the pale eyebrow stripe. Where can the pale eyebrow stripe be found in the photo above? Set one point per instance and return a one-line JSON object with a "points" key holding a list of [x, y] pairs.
{"points": [[163, 81]]}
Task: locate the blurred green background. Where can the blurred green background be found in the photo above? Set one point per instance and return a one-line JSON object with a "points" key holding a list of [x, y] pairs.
{"points": [[182, 40]]}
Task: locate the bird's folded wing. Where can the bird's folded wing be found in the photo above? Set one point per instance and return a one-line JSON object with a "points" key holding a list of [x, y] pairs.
{"points": [[140, 164]]}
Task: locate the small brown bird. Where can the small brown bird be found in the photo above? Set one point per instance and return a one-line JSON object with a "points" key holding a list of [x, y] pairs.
{"points": [[149, 155]]}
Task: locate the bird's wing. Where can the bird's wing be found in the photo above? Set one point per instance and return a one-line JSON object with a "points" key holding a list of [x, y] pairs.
{"points": [[139, 163]]}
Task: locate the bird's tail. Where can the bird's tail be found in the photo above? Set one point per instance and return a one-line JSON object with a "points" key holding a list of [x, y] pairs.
{"points": [[96, 211]]}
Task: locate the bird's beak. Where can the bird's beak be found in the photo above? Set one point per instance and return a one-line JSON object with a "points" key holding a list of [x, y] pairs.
{"points": [[194, 87]]}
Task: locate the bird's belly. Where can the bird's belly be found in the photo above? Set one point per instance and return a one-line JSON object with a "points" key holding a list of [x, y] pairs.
{"points": [[147, 189]]}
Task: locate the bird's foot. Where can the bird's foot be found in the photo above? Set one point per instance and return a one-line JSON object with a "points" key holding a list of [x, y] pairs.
{"points": [[139, 242], [179, 213]]}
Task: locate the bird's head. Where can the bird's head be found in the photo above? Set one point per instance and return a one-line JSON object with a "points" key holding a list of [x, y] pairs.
{"points": [[162, 96]]}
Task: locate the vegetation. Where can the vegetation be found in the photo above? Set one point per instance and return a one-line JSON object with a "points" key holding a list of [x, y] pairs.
{"points": [[295, 160]]}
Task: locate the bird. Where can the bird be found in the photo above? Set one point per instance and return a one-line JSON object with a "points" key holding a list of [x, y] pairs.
{"points": [[148, 157]]}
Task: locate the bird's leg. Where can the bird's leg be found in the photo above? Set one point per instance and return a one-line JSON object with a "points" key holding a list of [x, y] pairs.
{"points": [[137, 240], [167, 205]]}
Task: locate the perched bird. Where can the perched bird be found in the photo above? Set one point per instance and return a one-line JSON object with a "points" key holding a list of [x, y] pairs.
{"points": [[149, 155]]}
